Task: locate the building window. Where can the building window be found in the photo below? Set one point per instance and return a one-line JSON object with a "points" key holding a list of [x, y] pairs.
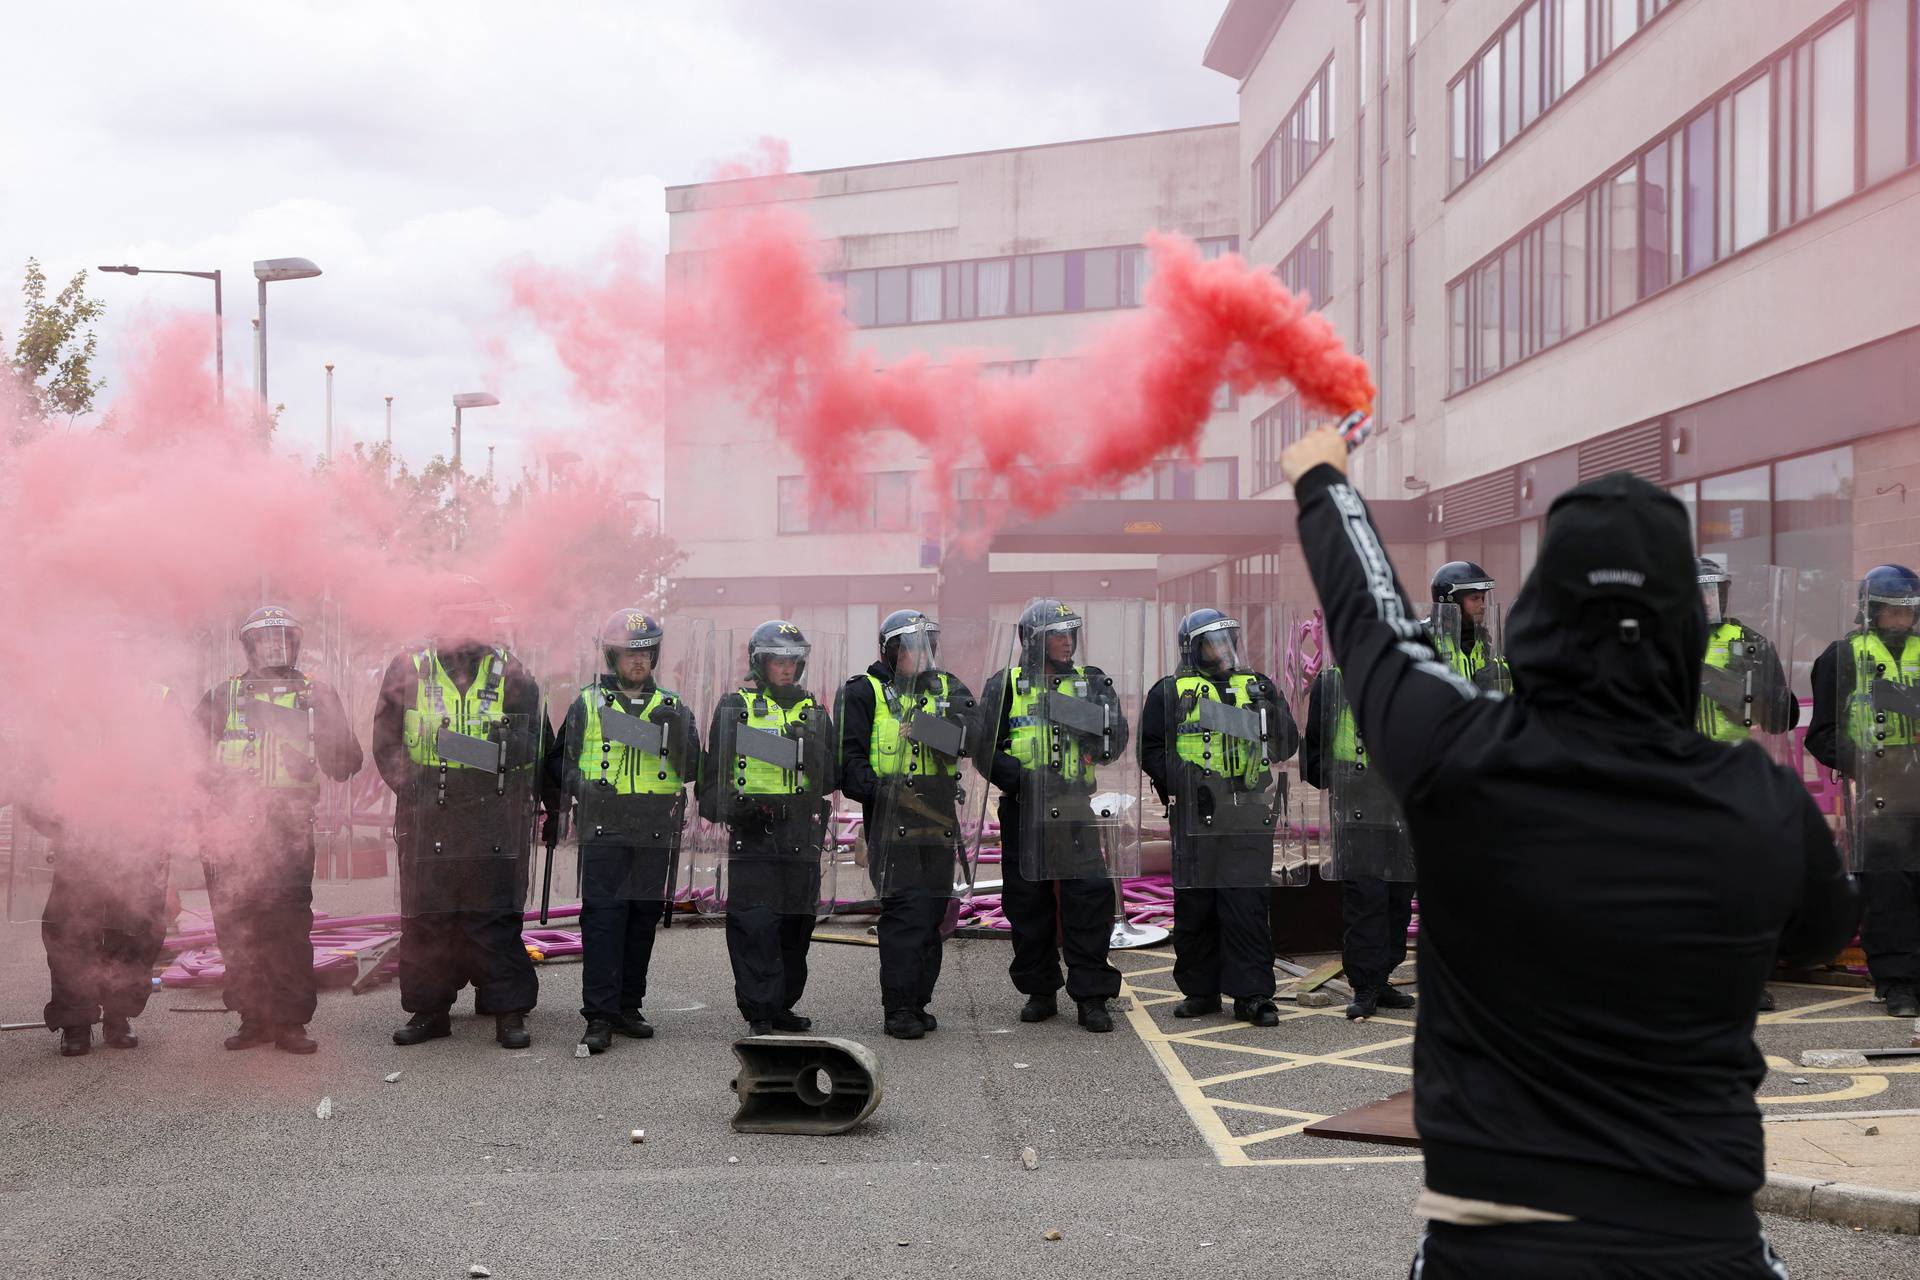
{"points": [[1544, 49], [1273, 431], [1300, 140], [885, 505], [1771, 151], [987, 288], [1308, 268]]}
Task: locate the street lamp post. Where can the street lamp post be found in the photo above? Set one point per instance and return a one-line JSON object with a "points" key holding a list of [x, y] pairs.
{"points": [[219, 320], [388, 469], [462, 401], [265, 270], [329, 413]]}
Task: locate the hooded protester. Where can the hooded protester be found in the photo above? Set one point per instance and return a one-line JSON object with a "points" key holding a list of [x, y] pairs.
{"points": [[1619, 1132]]}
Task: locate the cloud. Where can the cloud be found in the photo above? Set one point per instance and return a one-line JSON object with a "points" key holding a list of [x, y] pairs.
{"points": [[416, 151]]}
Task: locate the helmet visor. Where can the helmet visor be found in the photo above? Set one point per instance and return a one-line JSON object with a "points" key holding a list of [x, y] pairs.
{"points": [[1216, 646], [269, 647], [919, 639]]}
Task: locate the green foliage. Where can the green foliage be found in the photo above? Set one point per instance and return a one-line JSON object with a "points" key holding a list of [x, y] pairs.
{"points": [[52, 360]]}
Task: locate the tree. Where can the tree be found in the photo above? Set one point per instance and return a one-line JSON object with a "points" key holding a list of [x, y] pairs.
{"points": [[52, 360]]}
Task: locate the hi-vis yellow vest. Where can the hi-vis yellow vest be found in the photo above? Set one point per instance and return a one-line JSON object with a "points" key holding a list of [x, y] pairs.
{"points": [[1872, 659], [627, 770], [253, 751], [753, 777], [888, 751], [438, 703], [1035, 742], [1347, 746], [1714, 720], [1230, 757]]}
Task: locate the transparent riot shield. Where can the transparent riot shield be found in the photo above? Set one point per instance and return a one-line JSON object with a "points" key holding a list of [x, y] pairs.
{"points": [[1228, 732], [1877, 673], [925, 721], [771, 840], [465, 825], [628, 775], [29, 858], [1367, 836], [1745, 689], [1470, 643], [1079, 803]]}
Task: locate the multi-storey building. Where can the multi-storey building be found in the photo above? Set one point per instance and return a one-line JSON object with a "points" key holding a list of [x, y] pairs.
{"points": [[1015, 253], [1672, 236]]}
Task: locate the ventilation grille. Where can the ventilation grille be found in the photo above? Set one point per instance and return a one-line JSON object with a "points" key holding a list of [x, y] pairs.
{"points": [[1482, 503], [1641, 450]]}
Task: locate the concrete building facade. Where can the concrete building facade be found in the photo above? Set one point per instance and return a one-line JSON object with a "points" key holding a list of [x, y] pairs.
{"points": [[1016, 254], [1572, 236]]}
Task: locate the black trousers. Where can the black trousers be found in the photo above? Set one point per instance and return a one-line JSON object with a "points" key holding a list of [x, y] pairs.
{"points": [[263, 916], [768, 949], [102, 928], [1890, 930], [441, 953], [1376, 913], [1586, 1251], [1056, 918], [622, 898], [910, 950], [1222, 943]]}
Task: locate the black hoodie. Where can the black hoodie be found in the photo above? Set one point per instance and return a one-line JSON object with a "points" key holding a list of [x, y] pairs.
{"points": [[1602, 890]]}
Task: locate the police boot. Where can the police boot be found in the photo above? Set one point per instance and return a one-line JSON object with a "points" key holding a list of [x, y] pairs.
{"points": [[75, 1041], [927, 1020], [599, 1036], [1040, 1008], [788, 1020], [1767, 1003], [1392, 997], [1258, 1010], [1364, 1003], [904, 1024], [633, 1026], [1197, 1007], [510, 1029], [294, 1039], [1094, 1015], [118, 1033], [250, 1035], [422, 1027], [759, 1027], [1902, 1001]]}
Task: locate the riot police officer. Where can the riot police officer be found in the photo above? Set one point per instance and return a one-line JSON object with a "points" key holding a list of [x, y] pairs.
{"points": [[273, 732], [1866, 725], [1743, 687], [903, 726], [1228, 727], [769, 777], [1055, 880], [625, 752], [1376, 909], [1462, 592], [459, 734]]}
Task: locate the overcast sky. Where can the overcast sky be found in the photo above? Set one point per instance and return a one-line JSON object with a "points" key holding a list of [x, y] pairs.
{"points": [[414, 149]]}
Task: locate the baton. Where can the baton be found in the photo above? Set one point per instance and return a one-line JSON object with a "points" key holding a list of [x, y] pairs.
{"points": [[546, 888], [1355, 428]]}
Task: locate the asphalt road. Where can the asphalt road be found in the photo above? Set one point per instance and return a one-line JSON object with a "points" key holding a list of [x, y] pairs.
{"points": [[182, 1159]]}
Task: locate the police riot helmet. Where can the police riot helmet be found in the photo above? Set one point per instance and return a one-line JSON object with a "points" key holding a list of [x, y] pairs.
{"points": [[627, 630], [777, 639], [1456, 578], [1888, 585], [271, 636], [1710, 573], [1044, 617], [911, 629], [1210, 640]]}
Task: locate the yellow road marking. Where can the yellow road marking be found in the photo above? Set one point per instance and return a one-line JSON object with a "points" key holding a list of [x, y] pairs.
{"points": [[1794, 1015]]}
